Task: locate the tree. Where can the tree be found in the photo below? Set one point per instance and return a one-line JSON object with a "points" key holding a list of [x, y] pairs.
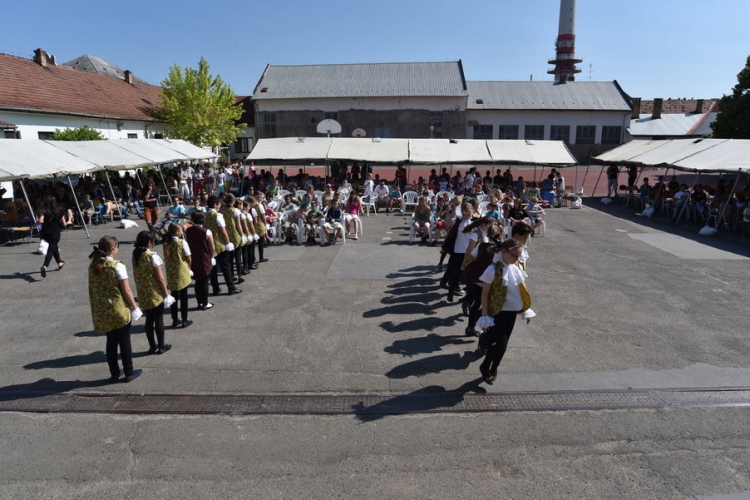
{"points": [[84, 133], [733, 121], [200, 108]]}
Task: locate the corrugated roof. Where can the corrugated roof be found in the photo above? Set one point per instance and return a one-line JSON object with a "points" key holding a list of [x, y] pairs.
{"points": [[28, 86], [588, 96], [362, 80], [670, 125]]}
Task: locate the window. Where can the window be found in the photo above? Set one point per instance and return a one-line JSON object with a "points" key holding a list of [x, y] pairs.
{"points": [[585, 134], [534, 133], [332, 116], [559, 133], [132, 136], [11, 134], [507, 131], [158, 136], [269, 124], [243, 145], [436, 124], [482, 131], [611, 135], [45, 136], [383, 132]]}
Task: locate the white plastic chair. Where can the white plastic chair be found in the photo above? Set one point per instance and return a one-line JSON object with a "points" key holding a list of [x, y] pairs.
{"points": [[413, 233], [409, 199], [369, 202]]}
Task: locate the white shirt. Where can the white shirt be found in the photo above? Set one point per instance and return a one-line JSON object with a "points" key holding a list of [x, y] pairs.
{"points": [[462, 239], [513, 300], [120, 270], [382, 190], [369, 186]]}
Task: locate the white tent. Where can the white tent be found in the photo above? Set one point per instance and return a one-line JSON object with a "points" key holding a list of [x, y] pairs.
{"points": [[39, 159], [189, 150], [105, 154], [419, 151], [373, 150], [695, 155], [530, 152]]}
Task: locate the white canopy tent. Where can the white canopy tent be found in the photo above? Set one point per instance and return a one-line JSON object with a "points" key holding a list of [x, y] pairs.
{"points": [[418, 151]]}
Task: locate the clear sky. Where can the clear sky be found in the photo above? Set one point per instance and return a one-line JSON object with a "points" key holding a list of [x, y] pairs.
{"points": [[653, 48]]}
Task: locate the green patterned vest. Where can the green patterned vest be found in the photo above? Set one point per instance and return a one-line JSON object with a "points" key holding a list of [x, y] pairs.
{"points": [[467, 256], [498, 293], [149, 293], [232, 230], [213, 226], [178, 271], [108, 308], [260, 225]]}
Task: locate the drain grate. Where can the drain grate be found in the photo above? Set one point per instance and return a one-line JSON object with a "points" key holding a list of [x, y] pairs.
{"points": [[355, 404]]}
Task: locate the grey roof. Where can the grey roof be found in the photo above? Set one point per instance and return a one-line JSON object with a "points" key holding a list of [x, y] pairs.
{"points": [[547, 95], [362, 80], [97, 65], [672, 125]]}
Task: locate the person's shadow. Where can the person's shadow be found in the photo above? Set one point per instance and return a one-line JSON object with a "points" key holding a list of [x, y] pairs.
{"points": [[434, 364], [47, 387], [426, 400], [425, 345]]}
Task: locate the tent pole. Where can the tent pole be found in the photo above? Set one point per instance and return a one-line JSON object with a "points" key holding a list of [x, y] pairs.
{"points": [[724, 208], [28, 203], [169, 196], [78, 206], [114, 198], [679, 216], [596, 184]]}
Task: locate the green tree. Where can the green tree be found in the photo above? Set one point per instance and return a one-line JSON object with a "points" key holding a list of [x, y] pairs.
{"points": [[84, 133], [733, 120], [199, 107]]}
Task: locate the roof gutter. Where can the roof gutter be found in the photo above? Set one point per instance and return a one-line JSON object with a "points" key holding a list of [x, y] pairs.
{"points": [[72, 113]]}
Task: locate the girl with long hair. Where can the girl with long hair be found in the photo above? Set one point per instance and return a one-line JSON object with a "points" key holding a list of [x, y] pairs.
{"points": [[351, 218], [177, 261], [53, 221]]}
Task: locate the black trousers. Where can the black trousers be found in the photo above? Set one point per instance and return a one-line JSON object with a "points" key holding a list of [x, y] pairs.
{"points": [[261, 244], [119, 338], [53, 251], [497, 339], [181, 300], [238, 251], [201, 290], [452, 276], [251, 254], [223, 262], [474, 302], [155, 324]]}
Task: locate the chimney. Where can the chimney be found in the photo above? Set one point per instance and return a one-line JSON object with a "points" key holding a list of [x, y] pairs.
{"points": [[657, 108], [699, 106], [635, 102], [43, 59], [128, 76]]}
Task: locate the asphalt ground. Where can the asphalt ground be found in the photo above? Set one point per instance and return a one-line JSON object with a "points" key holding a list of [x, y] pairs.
{"points": [[623, 303]]}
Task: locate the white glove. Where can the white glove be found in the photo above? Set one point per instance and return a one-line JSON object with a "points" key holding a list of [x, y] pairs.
{"points": [[136, 314], [485, 322], [256, 237], [213, 262], [244, 239], [230, 247], [169, 300], [528, 314], [191, 273]]}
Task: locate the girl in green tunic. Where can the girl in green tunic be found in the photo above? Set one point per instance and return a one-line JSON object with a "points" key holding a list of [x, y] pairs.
{"points": [[177, 259], [152, 290]]}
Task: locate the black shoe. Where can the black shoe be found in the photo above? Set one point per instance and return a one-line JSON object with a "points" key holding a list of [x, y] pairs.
{"points": [[234, 291], [44, 272], [266, 260], [245, 272], [205, 306], [471, 332], [175, 323], [216, 292], [443, 285], [151, 350], [450, 296], [254, 266], [186, 323], [163, 348], [134, 375], [486, 374], [241, 280], [115, 378]]}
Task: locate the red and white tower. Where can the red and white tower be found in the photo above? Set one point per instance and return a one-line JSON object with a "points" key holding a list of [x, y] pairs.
{"points": [[565, 59]]}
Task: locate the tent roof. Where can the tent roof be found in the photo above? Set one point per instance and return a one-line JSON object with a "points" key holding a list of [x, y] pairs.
{"points": [[415, 151], [39, 159], [697, 155], [373, 149]]}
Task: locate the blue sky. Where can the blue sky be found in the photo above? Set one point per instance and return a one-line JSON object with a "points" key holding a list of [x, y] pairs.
{"points": [[656, 48]]}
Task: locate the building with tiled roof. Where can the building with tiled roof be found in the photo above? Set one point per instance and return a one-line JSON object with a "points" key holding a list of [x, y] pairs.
{"points": [[38, 96], [672, 118]]}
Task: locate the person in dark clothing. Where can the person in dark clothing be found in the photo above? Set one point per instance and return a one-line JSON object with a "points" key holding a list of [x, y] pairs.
{"points": [[201, 243], [52, 221]]}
